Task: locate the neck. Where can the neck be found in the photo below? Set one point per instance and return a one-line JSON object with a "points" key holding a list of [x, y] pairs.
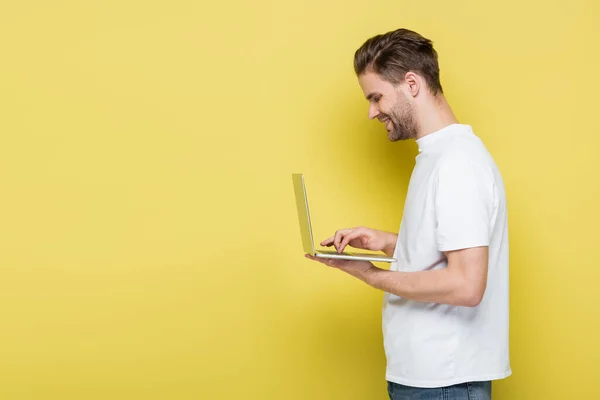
{"points": [[434, 115]]}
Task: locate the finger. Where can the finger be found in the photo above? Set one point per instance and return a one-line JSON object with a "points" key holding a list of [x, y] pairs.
{"points": [[331, 263], [339, 235], [327, 261], [327, 242], [348, 238], [314, 258]]}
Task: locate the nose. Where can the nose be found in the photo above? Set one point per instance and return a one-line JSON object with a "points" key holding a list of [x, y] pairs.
{"points": [[373, 111]]}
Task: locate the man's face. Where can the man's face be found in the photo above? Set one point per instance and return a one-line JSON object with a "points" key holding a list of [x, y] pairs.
{"points": [[390, 105]]}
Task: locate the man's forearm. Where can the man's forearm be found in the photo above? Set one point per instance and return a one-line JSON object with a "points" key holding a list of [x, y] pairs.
{"points": [[439, 286]]}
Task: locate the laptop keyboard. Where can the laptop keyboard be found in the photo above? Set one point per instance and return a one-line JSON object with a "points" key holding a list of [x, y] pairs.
{"points": [[333, 252]]}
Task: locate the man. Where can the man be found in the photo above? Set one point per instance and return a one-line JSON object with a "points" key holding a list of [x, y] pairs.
{"points": [[445, 312]]}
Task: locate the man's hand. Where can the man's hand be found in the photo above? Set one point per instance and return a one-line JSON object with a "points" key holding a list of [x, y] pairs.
{"points": [[358, 269], [363, 238]]}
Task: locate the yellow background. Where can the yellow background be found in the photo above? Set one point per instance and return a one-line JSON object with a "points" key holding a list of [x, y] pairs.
{"points": [[149, 246]]}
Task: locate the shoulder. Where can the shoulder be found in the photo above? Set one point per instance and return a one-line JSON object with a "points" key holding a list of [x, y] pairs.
{"points": [[464, 152], [464, 159]]}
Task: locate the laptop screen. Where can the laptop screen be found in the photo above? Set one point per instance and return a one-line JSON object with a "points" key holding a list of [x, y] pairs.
{"points": [[303, 214]]}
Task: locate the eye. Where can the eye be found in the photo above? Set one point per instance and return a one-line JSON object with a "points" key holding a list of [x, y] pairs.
{"points": [[376, 99]]}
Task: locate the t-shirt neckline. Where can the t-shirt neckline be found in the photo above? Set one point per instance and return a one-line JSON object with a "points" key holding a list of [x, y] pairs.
{"points": [[428, 141]]}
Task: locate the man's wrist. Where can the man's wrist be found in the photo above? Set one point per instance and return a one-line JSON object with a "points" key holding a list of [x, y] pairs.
{"points": [[371, 276], [390, 243]]}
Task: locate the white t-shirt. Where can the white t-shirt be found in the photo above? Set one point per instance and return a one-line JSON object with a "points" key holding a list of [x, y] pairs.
{"points": [[455, 200]]}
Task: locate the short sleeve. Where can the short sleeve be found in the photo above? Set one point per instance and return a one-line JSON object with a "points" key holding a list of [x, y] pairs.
{"points": [[464, 203]]}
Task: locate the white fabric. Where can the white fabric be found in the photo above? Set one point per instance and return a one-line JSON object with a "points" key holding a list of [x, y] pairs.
{"points": [[455, 200]]}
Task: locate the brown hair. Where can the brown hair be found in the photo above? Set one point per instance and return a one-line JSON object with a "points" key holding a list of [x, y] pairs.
{"points": [[391, 55]]}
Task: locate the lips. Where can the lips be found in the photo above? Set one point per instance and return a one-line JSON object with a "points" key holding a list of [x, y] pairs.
{"points": [[387, 121], [388, 124]]}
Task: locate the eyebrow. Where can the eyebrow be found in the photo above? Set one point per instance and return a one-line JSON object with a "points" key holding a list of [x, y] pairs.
{"points": [[372, 94]]}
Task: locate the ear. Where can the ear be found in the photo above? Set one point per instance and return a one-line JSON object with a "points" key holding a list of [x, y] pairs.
{"points": [[413, 83]]}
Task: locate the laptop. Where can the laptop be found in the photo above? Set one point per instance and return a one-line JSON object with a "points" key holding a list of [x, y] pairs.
{"points": [[306, 230]]}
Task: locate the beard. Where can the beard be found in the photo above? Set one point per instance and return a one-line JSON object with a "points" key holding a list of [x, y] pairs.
{"points": [[404, 124]]}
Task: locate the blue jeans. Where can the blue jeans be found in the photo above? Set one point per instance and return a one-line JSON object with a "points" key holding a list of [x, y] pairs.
{"points": [[462, 391]]}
